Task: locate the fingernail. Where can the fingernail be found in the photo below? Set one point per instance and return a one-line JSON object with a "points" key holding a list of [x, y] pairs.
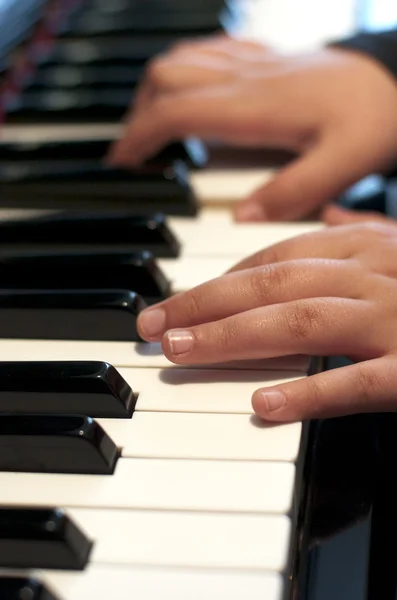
{"points": [[250, 212], [152, 322], [272, 400], [180, 341]]}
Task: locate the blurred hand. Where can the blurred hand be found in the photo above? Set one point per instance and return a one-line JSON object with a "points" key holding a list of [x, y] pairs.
{"points": [[337, 215], [335, 108], [332, 292]]}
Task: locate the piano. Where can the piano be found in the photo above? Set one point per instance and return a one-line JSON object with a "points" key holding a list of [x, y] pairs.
{"points": [[119, 472]]}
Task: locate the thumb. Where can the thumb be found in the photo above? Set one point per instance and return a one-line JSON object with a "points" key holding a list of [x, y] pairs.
{"points": [[337, 215], [361, 388], [307, 183]]}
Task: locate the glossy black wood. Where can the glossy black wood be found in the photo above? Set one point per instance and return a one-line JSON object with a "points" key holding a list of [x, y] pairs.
{"points": [[136, 271], [90, 22], [91, 388], [95, 186], [79, 315], [55, 444], [191, 151], [21, 588], [80, 231], [123, 50], [76, 76], [43, 539], [83, 105], [160, 6], [347, 526]]}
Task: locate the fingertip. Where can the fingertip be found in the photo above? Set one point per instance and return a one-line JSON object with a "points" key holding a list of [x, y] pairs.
{"points": [[249, 211], [151, 324], [270, 404], [335, 215], [177, 344]]}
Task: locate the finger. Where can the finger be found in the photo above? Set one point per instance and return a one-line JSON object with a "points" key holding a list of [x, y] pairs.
{"points": [[206, 114], [333, 243], [311, 181], [337, 215], [167, 74], [361, 388], [314, 327], [246, 290]]}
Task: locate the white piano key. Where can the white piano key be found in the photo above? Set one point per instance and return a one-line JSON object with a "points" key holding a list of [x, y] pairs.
{"points": [[181, 539], [220, 237], [203, 436], [184, 485], [59, 132], [189, 271], [200, 390], [127, 354], [225, 186], [100, 582]]}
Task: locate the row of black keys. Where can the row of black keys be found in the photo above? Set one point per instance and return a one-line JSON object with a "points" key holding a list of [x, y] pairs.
{"points": [[34, 440], [67, 175], [112, 48], [81, 277], [47, 412]]}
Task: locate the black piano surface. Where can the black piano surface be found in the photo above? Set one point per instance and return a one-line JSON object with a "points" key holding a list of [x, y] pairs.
{"points": [[347, 532]]}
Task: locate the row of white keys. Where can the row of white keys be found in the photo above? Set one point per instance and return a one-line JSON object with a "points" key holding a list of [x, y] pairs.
{"points": [[172, 421], [100, 581]]}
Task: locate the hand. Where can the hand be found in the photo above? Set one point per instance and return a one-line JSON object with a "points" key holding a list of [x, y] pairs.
{"points": [[337, 215], [337, 109], [333, 292]]}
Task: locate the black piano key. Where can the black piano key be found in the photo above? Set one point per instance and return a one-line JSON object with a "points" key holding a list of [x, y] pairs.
{"points": [[160, 6], [121, 50], [100, 231], [191, 151], [95, 186], [21, 588], [90, 22], [74, 77], [84, 315], [133, 271], [84, 105], [55, 444], [41, 539], [91, 388]]}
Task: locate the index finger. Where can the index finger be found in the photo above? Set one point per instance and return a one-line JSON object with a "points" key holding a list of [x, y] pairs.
{"points": [[177, 114], [333, 243]]}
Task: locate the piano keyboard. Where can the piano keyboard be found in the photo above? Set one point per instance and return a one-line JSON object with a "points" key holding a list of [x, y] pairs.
{"points": [[197, 498]]}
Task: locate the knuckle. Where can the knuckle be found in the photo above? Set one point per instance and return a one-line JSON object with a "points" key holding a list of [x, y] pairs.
{"points": [[268, 256], [373, 231], [369, 382], [161, 110], [156, 70], [192, 306], [181, 46], [226, 336], [268, 279], [304, 320], [315, 394]]}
